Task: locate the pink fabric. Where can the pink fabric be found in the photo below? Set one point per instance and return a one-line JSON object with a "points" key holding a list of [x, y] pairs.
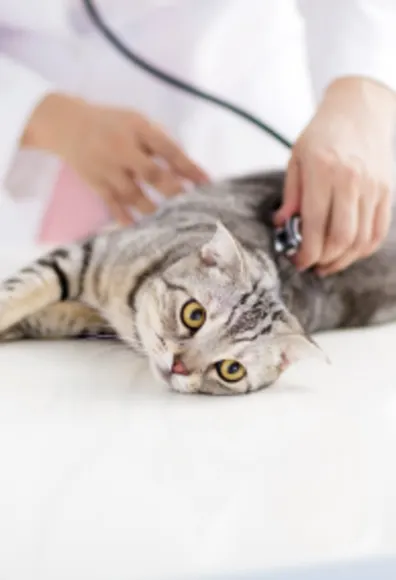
{"points": [[74, 211]]}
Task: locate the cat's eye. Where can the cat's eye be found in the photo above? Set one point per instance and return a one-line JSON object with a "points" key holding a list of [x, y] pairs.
{"points": [[230, 371], [193, 315]]}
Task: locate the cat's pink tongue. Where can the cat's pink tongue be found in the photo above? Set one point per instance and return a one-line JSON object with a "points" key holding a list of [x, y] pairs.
{"points": [[179, 368]]}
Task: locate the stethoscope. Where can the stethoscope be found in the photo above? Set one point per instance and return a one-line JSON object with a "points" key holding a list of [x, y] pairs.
{"points": [[287, 239]]}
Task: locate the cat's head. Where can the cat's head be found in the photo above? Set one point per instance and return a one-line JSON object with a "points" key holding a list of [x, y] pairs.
{"points": [[214, 322]]}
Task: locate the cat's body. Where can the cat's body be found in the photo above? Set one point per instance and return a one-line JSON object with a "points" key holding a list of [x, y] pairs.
{"points": [[196, 300]]}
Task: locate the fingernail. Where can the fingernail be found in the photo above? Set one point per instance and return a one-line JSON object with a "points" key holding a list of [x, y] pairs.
{"points": [[204, 179], [278, 219]]}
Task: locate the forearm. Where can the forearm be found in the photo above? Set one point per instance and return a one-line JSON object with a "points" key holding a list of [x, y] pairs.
{"points": [[371, 96]]}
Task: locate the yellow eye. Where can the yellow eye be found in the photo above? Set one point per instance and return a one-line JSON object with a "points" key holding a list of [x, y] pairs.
{"points": [[193, 315], [230, 370]]}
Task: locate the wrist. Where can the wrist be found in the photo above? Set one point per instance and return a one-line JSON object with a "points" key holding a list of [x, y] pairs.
{"points": [[358, 92], [54, 123]]}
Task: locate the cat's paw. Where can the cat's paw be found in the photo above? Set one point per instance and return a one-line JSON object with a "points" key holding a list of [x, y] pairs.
{"points": [[6, 312], [11, 335]]}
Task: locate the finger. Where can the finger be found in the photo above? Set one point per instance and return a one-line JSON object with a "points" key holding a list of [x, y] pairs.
{"points": [[160, 144], [382, 221], [291, 194], [141, 201], [315, 209], [344, 219], [105, 190], [118, 210], [146, 169], [128, 192], [362, 239]]}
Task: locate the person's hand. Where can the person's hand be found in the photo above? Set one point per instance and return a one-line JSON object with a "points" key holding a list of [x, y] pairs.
{"points": [[340, 176], [113, 150]]}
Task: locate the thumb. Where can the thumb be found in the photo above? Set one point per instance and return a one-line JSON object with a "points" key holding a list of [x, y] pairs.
{"points": [[291, 194]]}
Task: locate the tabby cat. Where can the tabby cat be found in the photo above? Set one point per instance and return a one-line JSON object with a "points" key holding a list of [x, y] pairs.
{"points": [[198, 290]]}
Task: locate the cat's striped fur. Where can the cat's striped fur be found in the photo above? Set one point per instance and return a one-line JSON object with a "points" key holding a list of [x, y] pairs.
{"points": [[134, 282]]}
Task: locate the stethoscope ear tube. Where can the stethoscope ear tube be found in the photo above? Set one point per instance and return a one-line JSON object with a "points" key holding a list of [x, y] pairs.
{"points": [[287, 239], [100, 24]]}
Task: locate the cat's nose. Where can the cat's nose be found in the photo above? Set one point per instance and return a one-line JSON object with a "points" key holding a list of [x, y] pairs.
{"points": [[179, 368]]}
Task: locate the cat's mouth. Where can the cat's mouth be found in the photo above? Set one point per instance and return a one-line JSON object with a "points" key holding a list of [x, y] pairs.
{"points": [[177, 381], [170, 366]]}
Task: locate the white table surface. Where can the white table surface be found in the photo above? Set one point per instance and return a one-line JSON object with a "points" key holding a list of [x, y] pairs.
{"points": [[105, 474]]}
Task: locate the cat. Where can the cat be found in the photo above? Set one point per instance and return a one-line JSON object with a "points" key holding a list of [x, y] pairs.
{"points": [[198, 289]]}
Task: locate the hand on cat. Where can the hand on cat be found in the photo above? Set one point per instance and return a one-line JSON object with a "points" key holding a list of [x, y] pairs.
{"points": [[113, 150], [339, 177]]}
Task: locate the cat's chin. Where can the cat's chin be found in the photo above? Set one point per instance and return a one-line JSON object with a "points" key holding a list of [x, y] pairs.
{"points": [[181, 385]]}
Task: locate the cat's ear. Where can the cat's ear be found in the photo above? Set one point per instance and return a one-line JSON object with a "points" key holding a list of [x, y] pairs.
{"points": [[223, 251], [297, 347]]}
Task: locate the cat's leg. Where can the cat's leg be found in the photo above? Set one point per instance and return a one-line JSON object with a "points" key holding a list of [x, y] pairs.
{"points": [[57, 277], [60, 320]]}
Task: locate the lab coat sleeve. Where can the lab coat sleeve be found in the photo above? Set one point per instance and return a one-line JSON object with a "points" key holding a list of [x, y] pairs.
{"points": [[20, 91], [350, 38]]}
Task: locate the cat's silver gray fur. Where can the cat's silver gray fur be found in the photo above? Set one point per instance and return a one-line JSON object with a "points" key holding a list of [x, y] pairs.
{"points": [[197, 289]]}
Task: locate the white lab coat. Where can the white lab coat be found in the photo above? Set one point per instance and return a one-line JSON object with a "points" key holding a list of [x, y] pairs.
{"points": [[265, 56]]}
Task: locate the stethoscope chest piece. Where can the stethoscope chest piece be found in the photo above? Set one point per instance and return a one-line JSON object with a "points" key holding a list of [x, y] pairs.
{"points": [[287, 239]]}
